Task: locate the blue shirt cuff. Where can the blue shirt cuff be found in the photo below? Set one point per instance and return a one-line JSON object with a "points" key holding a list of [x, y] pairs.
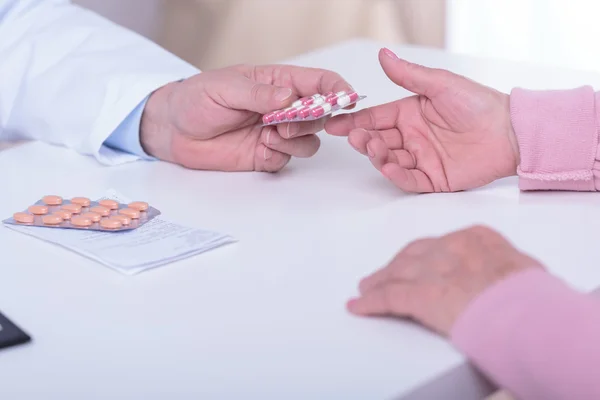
{"points": [[126, 137]]}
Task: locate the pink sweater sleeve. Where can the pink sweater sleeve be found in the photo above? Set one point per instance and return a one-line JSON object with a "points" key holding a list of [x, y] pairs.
{"points": [[531, 333], [535, 337], [557, 132]]}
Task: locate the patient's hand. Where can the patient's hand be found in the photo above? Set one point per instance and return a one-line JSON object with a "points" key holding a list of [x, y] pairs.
{"points": [[454, 134]]}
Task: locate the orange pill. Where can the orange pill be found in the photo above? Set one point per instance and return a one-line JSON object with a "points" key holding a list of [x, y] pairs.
{"points": [[82, 201], [52, 220], [110, 223], [103, 211], [130, 212], [23, 218], [110, 204], [95, 217], [65, 215], [38, 210], [122, 218], [52, 200], [72, 208], [81, 221], [138, 205]]}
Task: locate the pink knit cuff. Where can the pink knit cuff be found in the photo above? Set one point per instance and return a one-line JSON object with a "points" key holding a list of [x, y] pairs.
{"points": [[558, 138], [535, 336]]}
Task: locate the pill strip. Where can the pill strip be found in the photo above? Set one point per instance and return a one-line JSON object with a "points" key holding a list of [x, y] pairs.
{"points": [[83, 214], [313, 107]]}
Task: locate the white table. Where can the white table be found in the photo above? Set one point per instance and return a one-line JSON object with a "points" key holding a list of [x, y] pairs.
{"points": [[265, 318]]}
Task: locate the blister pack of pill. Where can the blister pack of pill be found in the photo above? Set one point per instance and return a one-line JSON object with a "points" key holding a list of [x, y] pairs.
{"points": [[313, 107], [81, 213]]}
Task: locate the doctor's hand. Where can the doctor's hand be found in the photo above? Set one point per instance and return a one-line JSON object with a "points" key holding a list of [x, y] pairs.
{"points": [[454, 134], [433, 280], [212, 121]]}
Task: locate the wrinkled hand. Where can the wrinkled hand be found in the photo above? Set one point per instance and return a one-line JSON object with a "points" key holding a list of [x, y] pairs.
{"points": [[212, 121], [433, 280], [455, 134]]}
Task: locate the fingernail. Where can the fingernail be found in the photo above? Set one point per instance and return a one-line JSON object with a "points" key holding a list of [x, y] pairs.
{"points": [[351, 305], [283, 94], [268, 139], [273, 137], [267, 153], [390, 53], [370, 151], [291, 130]]}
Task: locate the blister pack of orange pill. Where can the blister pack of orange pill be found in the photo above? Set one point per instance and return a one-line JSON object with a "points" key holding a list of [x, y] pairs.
{"points": [[81, 213], [312, 107]]}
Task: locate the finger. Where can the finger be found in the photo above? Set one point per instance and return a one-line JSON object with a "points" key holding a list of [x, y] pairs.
{"points": [[305, 81], [294, 129], [376, 279], [381, 117], [303, 146], [406, 266], [358, 138], [404, 159], [408, 180], [379, 153], [269, 160], [417, 247], [238, 92], [395, 298], [414, 78]]}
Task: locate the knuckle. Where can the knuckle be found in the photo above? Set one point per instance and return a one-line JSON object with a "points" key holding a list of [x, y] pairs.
{"points": [[241, 67], [315, 145], [481, 230], [255, 92], [418, 246], [389, 296]]}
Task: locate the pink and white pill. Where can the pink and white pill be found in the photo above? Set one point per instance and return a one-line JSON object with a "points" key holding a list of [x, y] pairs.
{"points": [[343, 101], [321, 110], [304, 112], [291, 113], [319, 101], [308, 101], [269, 118], [280, 116], [332, 99], [353, 96], [314, 99]]}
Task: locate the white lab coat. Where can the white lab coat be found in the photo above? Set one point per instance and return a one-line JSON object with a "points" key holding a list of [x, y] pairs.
{"points": [[70, 77]]}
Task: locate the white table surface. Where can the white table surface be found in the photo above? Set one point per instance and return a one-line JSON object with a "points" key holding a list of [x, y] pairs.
{"points": [[265, 318]]}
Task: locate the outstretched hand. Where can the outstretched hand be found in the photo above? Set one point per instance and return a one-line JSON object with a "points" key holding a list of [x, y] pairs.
{"points": [[454, 134]]}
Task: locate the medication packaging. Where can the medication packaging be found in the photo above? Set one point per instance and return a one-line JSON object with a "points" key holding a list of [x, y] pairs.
{"points": [[313, 107], [81, 213]]}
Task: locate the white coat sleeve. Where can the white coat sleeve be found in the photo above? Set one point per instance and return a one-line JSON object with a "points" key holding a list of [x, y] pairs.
{"points": [[70, 77]]}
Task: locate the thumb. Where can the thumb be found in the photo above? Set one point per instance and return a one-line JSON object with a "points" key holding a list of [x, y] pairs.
{"points": [[412, 77], [241, 93]]}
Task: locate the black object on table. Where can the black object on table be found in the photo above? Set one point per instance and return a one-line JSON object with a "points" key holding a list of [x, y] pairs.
{"points": [[11, 334]]}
